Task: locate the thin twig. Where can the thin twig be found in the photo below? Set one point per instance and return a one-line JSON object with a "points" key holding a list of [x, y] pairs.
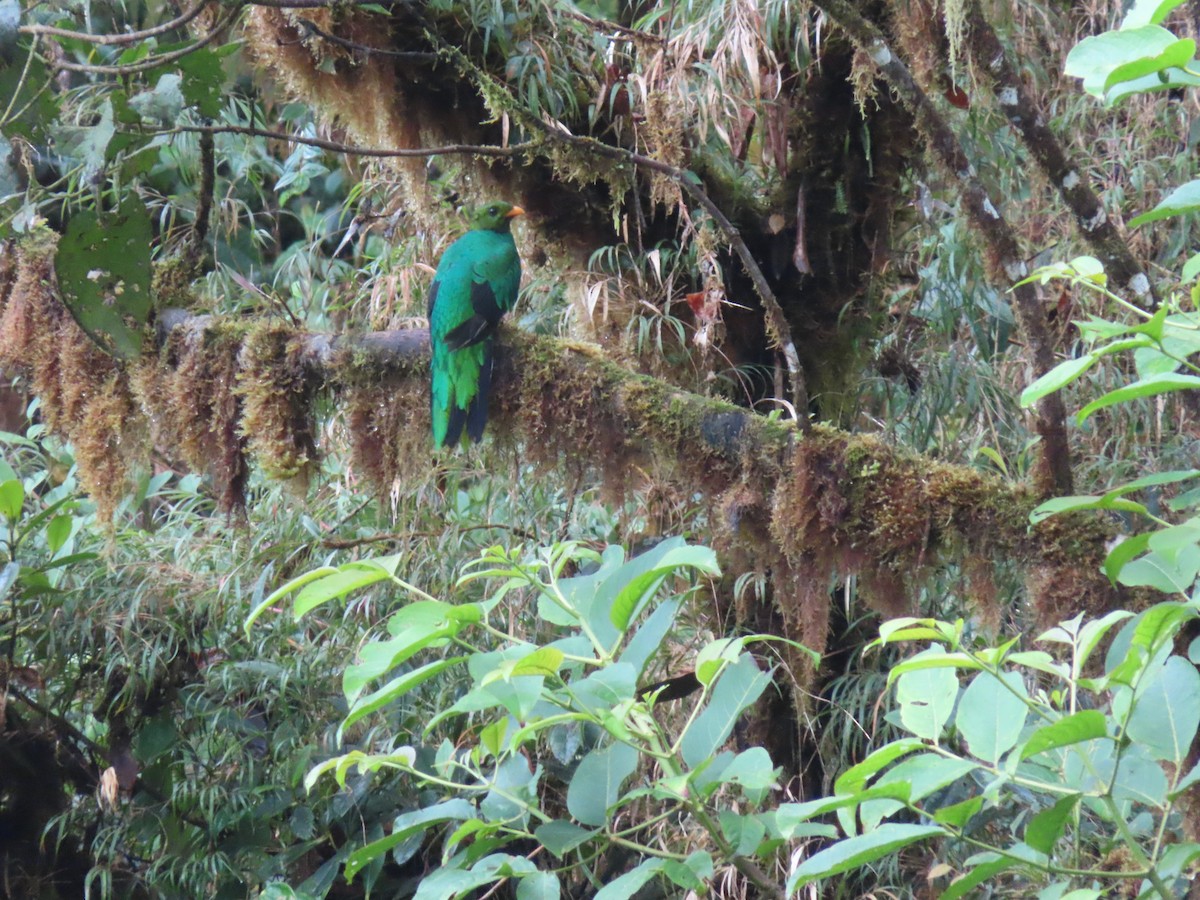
{"points": [[349, 149], [406, 55], [153, 62], [129, 37]]}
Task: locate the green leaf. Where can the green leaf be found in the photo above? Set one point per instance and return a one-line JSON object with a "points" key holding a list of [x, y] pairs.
{"points": [[605, 688], [1184, 199], [856, 777], [1146, 387], [923, 773], [1044, 829], [1190, 270], [539, 886], [347, 579], [855, 852], [1148, 12], [1166, 713], [1082, 502], [10, 21], [417, 626], [956, 815], [981, 873], [926, 698], [103, 268], [1084, 725], [1120, 555], [637, 593], [58, 531], [1058, 377], [561, 837], [12, 499], [739, 686], [992, 713], [1108, 59], [649, 637], [397, 688], [511, 791], [633, 881], [752, 769], [596, 784], [406, 825], [543, 661]]}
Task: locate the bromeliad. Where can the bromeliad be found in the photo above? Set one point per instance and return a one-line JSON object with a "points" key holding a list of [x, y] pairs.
{"points": [[476, 283]]}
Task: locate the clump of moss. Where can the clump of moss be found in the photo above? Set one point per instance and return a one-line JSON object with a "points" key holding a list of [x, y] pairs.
{"points": [[85, 394], [388, 422], [171, 283], [189, 391], [277, 393]]}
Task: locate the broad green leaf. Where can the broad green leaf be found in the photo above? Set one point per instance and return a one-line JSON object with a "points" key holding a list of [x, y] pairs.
{"points": [[1084, 725], [789, 816], [397, 688], [1146, 387], [858, 851], [445, 883], [633, 881], [1123, 553], [561, 837], [992, 713], [856, 777], [1166, 714], [739, 686], [1107, 59], [1190, 270], [649, 637], [1079, 503], [349, 578], [58, 531], [692, 873], [744, 833], [1045, 828], [1184, 199], [956, 815], [1148, 12], [1058, 377], [511, 793], [103, 268], [539, 886], [752, 769], [954, 660], [163, 104], [981, 873], [923, 773], [1041, 661], [596, 784], [12, 499], [542, 661], [715, 655], [633, 597], [926, 698], [1169, 573], [406, 825], [605, 688], [416, 627]]}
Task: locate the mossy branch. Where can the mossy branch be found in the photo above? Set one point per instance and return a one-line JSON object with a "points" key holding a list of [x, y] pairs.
{"points": [[826, 501]]}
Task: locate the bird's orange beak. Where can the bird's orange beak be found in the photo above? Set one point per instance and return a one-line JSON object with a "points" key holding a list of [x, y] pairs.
{"points": [[515, 211]]}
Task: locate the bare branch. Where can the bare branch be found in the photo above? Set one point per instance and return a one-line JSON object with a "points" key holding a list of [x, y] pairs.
{"points": [[129, 37]]}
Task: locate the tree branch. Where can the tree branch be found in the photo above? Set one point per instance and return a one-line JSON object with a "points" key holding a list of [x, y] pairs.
{"points": [[1021, 111], [350, 149], [1006, 263], [128, 37]]}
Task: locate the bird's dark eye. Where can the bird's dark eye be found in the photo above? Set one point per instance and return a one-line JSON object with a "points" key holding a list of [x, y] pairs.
{"points": [[493, 210]]}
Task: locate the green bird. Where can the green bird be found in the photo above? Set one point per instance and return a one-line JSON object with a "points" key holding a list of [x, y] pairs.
{"points": [[476, 283]]}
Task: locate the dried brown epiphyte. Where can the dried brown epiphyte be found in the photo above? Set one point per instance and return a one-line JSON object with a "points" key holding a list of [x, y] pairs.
{"points": [[277, 392], [110, 442], [389, 428]]}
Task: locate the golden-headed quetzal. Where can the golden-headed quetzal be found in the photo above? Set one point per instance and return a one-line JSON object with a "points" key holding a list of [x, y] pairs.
{"points": [[476, 283]]}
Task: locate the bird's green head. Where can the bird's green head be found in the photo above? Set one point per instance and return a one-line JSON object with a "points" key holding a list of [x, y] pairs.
{"points": [[495, 215]]}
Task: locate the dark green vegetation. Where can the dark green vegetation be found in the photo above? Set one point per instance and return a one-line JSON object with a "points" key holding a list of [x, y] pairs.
{"points": [[787, 272]]}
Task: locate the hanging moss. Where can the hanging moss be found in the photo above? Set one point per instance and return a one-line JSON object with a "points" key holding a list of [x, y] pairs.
{"points": [[85, 396], [189, 392], [276, 394]]}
